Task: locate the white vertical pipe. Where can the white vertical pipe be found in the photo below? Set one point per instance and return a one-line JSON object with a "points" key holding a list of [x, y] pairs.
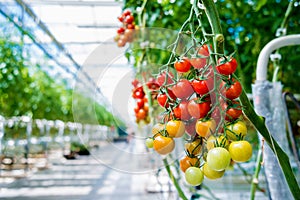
{"points": [[263, 58]]}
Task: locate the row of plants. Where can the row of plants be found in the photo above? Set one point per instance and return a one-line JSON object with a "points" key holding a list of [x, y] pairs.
{"points": [[26, 89]]}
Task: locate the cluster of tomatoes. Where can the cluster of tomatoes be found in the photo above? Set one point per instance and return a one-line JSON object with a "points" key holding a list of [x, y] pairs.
{"points": [[202, 106], [125, 33], [140, 95]]}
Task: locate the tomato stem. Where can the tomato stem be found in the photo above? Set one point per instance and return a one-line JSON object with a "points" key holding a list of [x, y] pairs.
{"points": [[174, 180]]}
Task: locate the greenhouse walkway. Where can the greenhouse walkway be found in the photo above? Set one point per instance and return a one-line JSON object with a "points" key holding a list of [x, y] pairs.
{"points": [[85, 178]]}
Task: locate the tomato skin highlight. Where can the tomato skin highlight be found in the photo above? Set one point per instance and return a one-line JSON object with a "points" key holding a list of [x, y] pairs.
{"points": [[240, 151], [163, 145], [175, 128]]}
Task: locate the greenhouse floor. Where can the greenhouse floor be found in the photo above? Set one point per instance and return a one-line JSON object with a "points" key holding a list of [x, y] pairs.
{"points": [[85, 178]]}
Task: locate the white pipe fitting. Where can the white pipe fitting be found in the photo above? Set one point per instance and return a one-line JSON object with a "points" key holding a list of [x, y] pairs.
{"points": [[263, 58]]}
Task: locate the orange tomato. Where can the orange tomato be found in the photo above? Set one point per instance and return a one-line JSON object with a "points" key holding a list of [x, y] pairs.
{"points": [[175, 128], [187, 162], [163, 145], [205, 128]]}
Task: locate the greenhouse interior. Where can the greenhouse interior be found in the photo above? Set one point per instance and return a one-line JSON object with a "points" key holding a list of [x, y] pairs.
{"points": [[140, 100]]}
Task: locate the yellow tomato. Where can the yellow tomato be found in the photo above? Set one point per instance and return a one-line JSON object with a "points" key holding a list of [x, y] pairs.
{"points": [[193, 148], [205, 128], [163, 145], [175, 128]]}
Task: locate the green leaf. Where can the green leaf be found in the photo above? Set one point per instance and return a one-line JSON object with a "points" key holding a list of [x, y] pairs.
{"points": [[283, 159], [260, 4]]}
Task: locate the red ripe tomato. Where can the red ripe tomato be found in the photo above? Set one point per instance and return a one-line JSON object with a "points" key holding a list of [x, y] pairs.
{"points": [[227, 67], [203, 50], [140, 103], [233, 89], [200, 86], [165, 78], [138, 93], [216, 114], [141, 114], [183, 89], [120, 30], [182, 66], [181, 111], [152, 85], [198, 109], [136, 109], [130, 26], [163, 98], [129, 19], [121, 18], [199, 61], [126, 12], [135, 82], [233, 111], [190, 127]]}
